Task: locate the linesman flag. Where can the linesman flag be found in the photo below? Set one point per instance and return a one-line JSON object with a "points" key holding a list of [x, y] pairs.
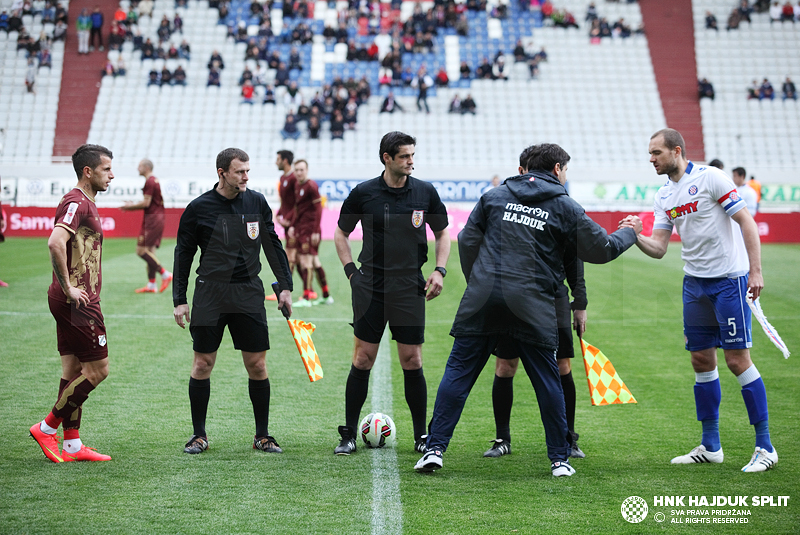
{"points": [[605, 385], [301, 331]]}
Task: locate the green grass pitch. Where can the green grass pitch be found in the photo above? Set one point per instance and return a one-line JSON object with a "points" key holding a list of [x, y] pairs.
{"points": [[140, 416]]}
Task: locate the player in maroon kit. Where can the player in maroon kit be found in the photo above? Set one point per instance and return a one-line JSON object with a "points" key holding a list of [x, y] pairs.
{"points": [[306, 223], [74, 298], [285, 214], [152, 228]]}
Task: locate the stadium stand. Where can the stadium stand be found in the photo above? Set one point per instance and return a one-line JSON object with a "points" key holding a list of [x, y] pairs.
{"points": [[600, 100], [751, 133], [27, 120]]}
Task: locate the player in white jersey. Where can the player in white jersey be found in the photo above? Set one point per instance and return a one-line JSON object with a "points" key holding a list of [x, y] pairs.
{"points": [[748, 194], [722, 263]]}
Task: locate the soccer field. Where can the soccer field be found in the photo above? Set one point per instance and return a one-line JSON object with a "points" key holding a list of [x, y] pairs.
{"points": [[140, 416]]}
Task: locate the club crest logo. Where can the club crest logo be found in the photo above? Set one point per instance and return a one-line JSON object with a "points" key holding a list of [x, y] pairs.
{"points": [[101, 340], [734, 196], [634, 509], [417, 217], [693, 190], [71, 210], [252, 230]]}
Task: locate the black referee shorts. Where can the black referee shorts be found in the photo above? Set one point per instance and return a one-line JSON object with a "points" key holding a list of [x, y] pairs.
{"points": [[239, 306], [399, 301]]}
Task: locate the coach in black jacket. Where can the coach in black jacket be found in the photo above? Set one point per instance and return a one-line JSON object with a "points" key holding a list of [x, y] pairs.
{"points": [[512, 252], [231, 225]]}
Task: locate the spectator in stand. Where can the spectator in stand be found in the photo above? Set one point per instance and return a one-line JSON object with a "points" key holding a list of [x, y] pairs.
{"points": [[109, 70], [519, 52], [213, 77], [422, 82], [116, 36], [442, 79], [705, 89], [132, 17], [734, 19], [97, 29], [84, 27], [351, 114], [293, 97], [295, 62], [711, 21], [166, 76], [745, 10], [281, 75], [766, 90], [179, 76], [259, 75], [290, 128], [591, 13], [215, 60], [753, 90], [60, 31], [152, 78], [269, 95], [797, 11], [120, 15], [30, 76], [177, 24], [46, 60], [4, 26], [484, 70], [499, 69], [137, 39], [313, 127], [172, 51], [788, 89], [247, 76], [164, 30], [455, 104], [547, 9], [407, 76], [390, 105], [466, 72], [148, 50], [146, 8], [468, 105], [462, 25], [621, 29], [775, 12], [248, 92], [337, 125]]}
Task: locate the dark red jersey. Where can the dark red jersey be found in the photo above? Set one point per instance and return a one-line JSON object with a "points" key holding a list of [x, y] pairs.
{"points": [[308, 208], [153, 188], [77, 213], [286, 187]]}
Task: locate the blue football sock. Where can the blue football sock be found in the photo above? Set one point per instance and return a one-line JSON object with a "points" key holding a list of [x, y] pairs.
{"points": [[711, 435], [762, 435]]}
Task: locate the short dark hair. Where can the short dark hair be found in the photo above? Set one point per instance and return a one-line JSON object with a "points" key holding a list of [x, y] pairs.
{"points": [[391, 143], [716, 162], [301, 161], [89, 156], [672, 139], [740, 171], [286, 155], [543, 157], [225, 158]]}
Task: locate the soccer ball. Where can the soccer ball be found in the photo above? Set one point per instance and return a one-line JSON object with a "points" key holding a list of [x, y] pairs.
{"points": [[377, 430]]}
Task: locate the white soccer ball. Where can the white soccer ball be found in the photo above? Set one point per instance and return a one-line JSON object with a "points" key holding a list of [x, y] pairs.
{"points": [[377, 430]]}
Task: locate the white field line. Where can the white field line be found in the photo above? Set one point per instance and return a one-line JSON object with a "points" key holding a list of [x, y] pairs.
{"points": [[387, 509]]}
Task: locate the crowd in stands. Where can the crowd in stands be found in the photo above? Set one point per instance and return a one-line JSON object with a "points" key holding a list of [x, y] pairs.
{"points": [[765, 90], [778, 12], [467, 105], [38, 51], [705, 89]]}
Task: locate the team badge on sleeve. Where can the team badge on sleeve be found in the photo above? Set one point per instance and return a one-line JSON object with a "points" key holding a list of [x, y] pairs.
{"points": [[101, 340], [71, 209], [252, 230], [417, 218], [729, 200]]}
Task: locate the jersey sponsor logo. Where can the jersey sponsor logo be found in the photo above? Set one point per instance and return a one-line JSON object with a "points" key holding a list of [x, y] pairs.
{"points": [[680, 211], [252, 230], [101, 340], [417, 217], [68, 217], [693, 190]]}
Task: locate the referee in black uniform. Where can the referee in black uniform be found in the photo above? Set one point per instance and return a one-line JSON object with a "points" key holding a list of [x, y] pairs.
{"points": [[230, 224], [389, 287]]}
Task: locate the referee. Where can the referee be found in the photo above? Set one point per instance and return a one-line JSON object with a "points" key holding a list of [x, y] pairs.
{"points": [[230, 224], [389, 287]]}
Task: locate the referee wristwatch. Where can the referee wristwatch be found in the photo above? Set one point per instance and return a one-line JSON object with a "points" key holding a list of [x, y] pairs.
{"points": [[441, 270]]}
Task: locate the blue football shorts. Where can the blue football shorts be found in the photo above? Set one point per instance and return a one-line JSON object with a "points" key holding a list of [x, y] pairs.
{"points": [[716, 314]]}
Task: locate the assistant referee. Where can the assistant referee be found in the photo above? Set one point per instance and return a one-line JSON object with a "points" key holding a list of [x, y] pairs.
{"points": [[389, 287], [230, 224]]}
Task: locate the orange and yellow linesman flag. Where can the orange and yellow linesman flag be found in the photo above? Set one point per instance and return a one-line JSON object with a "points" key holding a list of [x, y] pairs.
{"points": [[605, 385], [301, 331]]}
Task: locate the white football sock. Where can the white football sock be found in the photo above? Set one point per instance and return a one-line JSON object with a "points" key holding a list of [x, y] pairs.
{"points": [[73, 445], [47, 429]]}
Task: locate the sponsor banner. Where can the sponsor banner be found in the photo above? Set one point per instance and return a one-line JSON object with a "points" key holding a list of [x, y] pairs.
{"points": [[38, 221], [177, 192]]}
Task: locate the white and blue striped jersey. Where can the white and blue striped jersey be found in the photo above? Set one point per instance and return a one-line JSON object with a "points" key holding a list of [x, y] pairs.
{"points": [[700, 206]]}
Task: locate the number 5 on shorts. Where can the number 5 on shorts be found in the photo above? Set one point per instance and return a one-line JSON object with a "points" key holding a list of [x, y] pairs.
{"points": [[732, 323]]}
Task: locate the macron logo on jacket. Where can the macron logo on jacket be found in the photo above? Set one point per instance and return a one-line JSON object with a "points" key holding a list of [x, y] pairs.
{"points": [[532, 220]]}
